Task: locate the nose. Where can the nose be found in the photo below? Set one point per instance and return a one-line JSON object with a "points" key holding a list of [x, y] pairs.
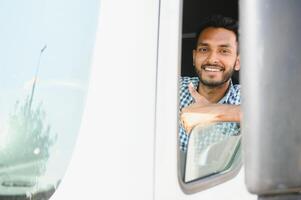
{"points": [[212, 58]]}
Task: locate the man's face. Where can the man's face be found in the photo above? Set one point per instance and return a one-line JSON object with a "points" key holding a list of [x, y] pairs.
{"points": [[215, 57]]}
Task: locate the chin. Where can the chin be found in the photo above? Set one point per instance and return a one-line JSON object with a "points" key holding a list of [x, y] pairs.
{"points": [[213, 83]]}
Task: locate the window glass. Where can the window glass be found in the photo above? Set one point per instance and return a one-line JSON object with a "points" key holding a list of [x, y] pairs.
{"points": [[211, 150], [46, 49]]}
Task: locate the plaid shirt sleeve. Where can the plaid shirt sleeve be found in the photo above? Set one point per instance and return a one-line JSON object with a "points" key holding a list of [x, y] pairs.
{"points": [[185, 100]]}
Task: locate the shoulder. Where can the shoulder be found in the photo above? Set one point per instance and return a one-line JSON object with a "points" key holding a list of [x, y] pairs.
{"points": [[236, 88], [185, 80], [235, 95], [185, 97]]}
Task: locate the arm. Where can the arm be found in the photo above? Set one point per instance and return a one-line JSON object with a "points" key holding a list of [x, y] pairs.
{"points": [[202, 112], [198, 114]]}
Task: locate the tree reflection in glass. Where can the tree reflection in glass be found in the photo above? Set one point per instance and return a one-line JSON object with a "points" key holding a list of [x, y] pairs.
{"points": [[42, 90]]}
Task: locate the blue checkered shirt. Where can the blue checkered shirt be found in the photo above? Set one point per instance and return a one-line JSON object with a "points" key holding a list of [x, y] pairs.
{"points": [[231, 97]]}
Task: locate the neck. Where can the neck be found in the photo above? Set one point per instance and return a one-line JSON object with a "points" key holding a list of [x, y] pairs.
{"points": [[213, 94]]}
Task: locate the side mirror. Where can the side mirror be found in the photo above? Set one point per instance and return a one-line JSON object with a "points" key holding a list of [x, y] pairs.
{"points": [[272, 96]]}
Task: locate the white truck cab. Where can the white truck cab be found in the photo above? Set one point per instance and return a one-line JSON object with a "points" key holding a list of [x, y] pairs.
{"points": [[89, 101]]}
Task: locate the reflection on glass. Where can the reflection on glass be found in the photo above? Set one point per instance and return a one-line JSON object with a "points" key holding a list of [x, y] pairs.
{"points": [[47, 54], [211, 149]]}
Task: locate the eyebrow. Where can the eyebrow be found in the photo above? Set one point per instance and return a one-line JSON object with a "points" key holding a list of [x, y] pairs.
{"points": [[203, 44], [225, 45], [222, 45]]}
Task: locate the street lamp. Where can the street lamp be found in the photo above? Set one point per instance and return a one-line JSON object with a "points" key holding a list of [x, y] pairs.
{"points": [[35, 78]]}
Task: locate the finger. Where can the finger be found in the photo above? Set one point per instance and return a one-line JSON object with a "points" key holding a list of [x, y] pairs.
{"points": [[196, 96], [182, 119], [185, 125]]}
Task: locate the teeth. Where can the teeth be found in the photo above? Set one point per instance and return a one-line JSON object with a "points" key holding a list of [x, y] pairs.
{"points": [[212, 69]]}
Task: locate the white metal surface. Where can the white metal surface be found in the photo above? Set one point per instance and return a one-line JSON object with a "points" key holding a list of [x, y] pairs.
{"points": [[114, 156]]}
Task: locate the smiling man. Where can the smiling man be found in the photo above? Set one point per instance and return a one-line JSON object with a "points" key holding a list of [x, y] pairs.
{"points": [[211, 97]]}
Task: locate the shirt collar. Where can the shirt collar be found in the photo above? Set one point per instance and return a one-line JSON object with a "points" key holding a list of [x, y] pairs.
{"points": [[196, 83]]}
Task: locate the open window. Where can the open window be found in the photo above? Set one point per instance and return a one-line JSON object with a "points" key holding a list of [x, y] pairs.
{"points": [[213, 153]]}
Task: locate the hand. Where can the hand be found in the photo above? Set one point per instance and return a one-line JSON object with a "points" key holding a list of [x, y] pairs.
{"points": [[203, 113], [199, 99], [193, 114], [189, 120]]}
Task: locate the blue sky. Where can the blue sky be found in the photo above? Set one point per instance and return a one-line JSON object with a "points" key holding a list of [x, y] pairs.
{"points": [[68, 28]]}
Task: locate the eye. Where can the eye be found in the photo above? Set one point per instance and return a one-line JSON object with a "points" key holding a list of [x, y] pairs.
{"points": [[203, 49], [225, 51]]}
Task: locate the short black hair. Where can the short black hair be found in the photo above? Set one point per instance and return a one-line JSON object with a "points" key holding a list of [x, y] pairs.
{"points": [[217, 21]]}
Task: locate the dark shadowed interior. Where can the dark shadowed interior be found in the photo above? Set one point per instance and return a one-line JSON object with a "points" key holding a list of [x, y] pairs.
{"points": [[193, 12]]}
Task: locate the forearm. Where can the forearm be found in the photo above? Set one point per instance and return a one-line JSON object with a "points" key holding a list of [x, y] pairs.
{"points": [[228, 113], [219, 112], [207, 114]]}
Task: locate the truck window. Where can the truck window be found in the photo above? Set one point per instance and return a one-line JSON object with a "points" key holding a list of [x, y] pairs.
{"points": [[209, 153]]}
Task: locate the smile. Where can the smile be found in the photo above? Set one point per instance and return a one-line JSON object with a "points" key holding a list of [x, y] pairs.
{"points": [[212, 69]]}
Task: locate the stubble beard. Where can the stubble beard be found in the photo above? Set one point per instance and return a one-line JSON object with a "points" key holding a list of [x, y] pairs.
{"points": [[215, 83]]}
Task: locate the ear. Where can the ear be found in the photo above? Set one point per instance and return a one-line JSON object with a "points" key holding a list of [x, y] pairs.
{"points": [[193, 57], [237, 64]]}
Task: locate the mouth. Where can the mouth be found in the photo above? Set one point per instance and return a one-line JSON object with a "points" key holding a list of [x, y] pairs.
{"points": [[211, 68]]}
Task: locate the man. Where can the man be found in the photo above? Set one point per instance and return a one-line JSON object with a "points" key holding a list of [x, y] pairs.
{"points": [[211, 97]]}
